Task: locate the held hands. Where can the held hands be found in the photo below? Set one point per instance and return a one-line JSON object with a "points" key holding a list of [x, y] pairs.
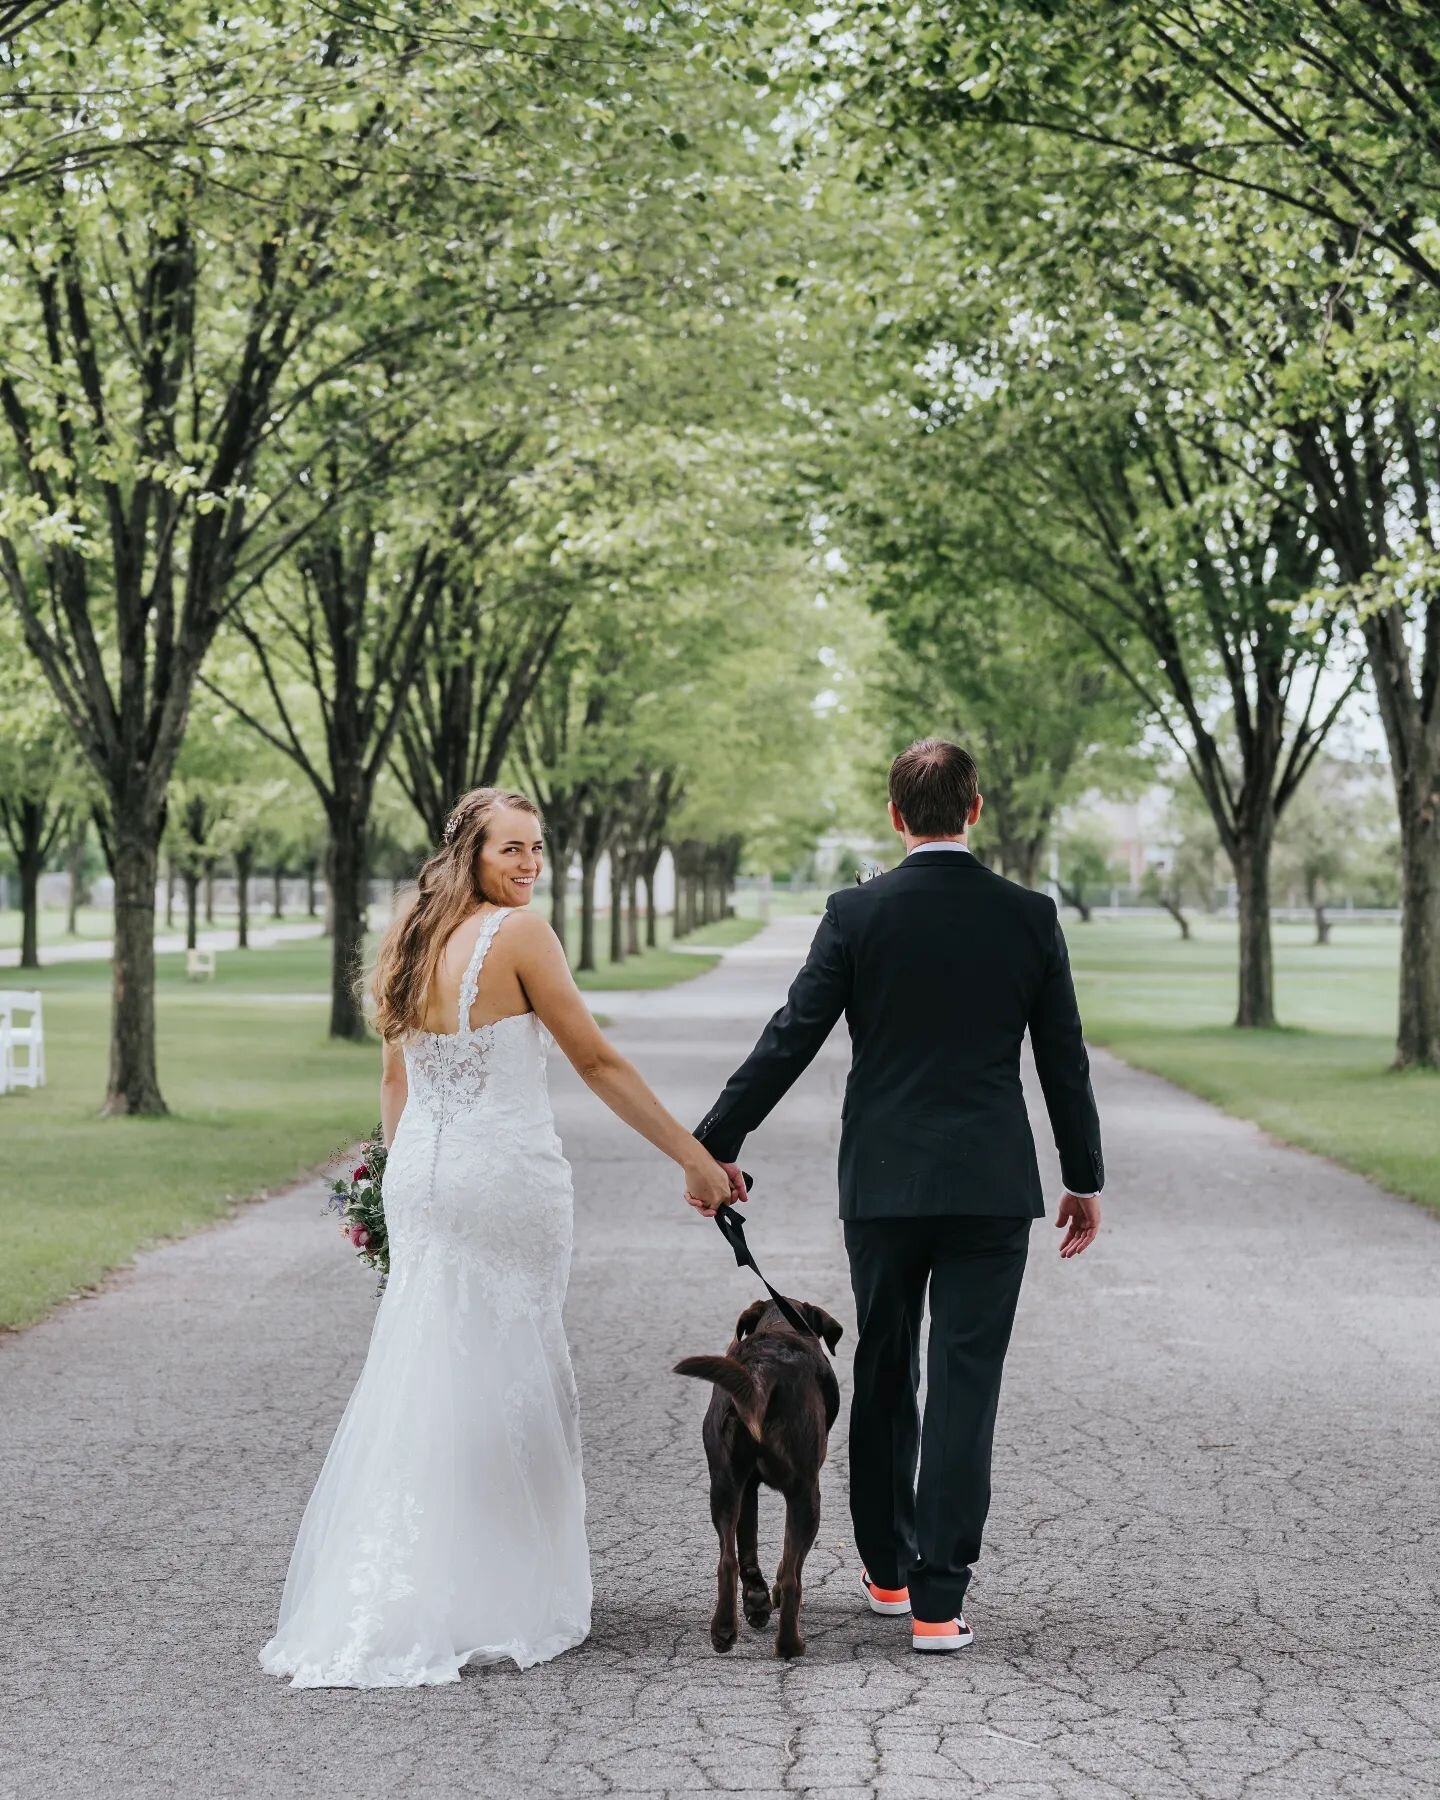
{"points": [[709, 1185], [1082, 1216]]}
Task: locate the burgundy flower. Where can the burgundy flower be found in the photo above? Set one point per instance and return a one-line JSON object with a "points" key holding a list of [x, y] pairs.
{"points": [[362, 1172]]}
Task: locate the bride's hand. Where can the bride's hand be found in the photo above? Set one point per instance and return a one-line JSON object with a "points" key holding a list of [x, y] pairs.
{"points": [[707, 1186]]}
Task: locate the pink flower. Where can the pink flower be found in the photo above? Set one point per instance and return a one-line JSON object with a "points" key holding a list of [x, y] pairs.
{"points": [[359, 1236], [361, 1172]]}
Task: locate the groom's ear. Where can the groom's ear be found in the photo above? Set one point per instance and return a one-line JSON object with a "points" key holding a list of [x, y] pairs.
{"points": [[750, 1318], [823, 1325]]}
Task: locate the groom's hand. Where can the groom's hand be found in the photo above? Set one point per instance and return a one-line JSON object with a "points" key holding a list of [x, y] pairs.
{"points": [[738, 1189], [1082, 1217]]}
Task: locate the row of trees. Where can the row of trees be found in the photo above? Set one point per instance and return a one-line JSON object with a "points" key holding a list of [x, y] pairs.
{"points": [[1162, 364], [1337, 845], [389, 407]]}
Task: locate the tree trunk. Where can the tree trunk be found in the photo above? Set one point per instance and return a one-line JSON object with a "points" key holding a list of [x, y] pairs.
{"points": [[75, 865], [1322, 924], [310, 905], [210, 890], [1173, 908], [632, 906], [244, 860], [192, 907], [560, 896], [652, 924], [1021, 857], [617, 907], [348, 862], [1073, 897], [1417, 1043], [589, 859], [1251, 862], [277, 893], [592, 830], [133, 1085], [170, 891], [31, 866]]}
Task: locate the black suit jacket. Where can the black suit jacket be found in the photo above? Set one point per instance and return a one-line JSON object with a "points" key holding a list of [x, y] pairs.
{"points": [[939, 967]]}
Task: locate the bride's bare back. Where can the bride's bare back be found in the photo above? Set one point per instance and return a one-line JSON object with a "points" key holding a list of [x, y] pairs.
{"points": [[499, 993]]}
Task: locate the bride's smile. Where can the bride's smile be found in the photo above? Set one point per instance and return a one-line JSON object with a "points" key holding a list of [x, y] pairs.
{"points": [[511, 857]]}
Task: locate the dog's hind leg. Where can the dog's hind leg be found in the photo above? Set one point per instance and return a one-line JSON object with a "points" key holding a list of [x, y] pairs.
{"points": [[802, 1521], [724, 1508], [756, 1588]]}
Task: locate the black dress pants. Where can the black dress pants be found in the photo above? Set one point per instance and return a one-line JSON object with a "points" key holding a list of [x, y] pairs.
{"points": [[925, 1535]]}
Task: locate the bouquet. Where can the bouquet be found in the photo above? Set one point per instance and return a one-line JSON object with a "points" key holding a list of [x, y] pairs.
{"points": [[362, 1216]]}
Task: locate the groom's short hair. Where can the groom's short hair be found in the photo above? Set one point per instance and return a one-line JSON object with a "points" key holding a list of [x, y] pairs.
{"points": [[933, 785]]}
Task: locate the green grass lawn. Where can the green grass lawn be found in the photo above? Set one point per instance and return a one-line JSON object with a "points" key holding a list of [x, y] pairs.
{"points": [[258, 1095], [1322, 1080], [90, 921]]}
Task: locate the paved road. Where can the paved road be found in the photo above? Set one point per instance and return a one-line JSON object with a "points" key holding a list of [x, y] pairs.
{"points": [[1211, 1569]]}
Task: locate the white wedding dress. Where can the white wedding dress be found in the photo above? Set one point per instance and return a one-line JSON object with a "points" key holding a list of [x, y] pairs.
{"points": [[448, 1522]]}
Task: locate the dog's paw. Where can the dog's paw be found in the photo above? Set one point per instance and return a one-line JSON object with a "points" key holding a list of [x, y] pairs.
{"points": [[757, 1605], [791, 1646], [722, 1637]]}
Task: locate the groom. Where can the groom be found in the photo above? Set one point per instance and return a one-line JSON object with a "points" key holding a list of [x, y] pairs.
{"points": [[940, 967]]}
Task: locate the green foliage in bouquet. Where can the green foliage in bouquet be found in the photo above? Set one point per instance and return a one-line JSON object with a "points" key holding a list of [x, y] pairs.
{"points": [[362, 1215]]}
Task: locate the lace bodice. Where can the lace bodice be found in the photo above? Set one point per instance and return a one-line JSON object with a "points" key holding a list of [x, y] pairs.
{"points": [[460, 1073]]}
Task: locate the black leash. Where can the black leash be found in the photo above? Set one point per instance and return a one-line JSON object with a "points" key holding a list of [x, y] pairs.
{"points": [[732, 1229]]}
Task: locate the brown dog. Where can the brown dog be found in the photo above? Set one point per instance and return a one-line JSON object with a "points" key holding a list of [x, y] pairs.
{"points": [[769, 1420]]}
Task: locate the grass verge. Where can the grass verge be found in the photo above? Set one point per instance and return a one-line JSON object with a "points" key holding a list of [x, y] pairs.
{"points": [[1322, 1080]]}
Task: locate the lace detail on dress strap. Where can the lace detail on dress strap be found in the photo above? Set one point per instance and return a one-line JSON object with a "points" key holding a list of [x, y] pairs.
{"points": [[471, 979]]}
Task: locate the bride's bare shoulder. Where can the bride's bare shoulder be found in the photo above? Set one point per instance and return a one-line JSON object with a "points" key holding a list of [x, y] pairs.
{"points": [[530, 931]]}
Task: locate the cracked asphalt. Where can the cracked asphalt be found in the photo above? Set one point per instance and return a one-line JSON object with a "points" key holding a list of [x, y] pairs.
{"points": [[1211, 1568]]}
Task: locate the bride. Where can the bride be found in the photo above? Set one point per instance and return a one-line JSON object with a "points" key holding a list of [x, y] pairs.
{"points": [[448, 1522]]}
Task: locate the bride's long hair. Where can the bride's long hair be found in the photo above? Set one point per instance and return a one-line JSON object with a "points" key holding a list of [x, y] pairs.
{"points": [[446, 891]]}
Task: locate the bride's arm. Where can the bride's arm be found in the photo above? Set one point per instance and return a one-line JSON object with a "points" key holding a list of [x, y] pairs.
{"points": [[394, 1089], [550, 988]]}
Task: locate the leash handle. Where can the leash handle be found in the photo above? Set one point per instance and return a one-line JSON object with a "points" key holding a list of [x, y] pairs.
{"points": [[732, 1229]]}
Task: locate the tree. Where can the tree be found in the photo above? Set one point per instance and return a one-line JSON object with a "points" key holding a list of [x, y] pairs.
{"points": [[977, 659], [1264, 177], [1339, 836], [1187, 876], [43, 800], [164, 317], [354, 619], [1085, 854]]}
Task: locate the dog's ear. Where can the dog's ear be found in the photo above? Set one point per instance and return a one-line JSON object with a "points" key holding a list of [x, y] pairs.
{"points": [[750, 1318], [823, 1325]]}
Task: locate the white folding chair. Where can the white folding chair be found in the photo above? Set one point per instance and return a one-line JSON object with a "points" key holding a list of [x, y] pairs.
{"points": [[30, 1038], [4, 1051], [199, 962]]}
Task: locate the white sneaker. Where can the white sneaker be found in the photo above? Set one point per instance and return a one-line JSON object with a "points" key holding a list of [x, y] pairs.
{"points": [[949, 1634]]}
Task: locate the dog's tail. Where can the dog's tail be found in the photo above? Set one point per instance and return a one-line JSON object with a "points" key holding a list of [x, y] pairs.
{"points": [[745, 1392]]}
